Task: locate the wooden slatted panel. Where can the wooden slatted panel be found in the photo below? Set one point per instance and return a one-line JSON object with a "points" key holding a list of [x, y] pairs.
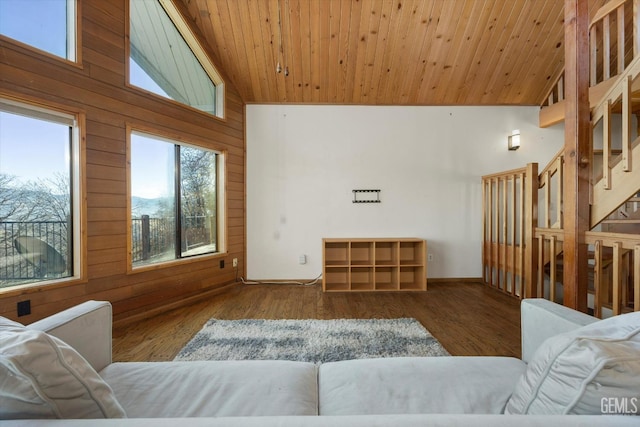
{"points": [[597, 279], [485, 230], [512, 226], [606, 145], [522, 238], [620, 18], [553, 277], [504, 224], [547, 199], [497, 231], [559, 191], [636, 278], [627, 122], [506, 239], [617, 279], [540, 275], [98, 88]]}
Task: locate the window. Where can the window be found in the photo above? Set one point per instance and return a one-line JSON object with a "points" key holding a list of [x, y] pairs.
{"points": [[175, 200], [49, 25], [39, 213], [165, 58]]}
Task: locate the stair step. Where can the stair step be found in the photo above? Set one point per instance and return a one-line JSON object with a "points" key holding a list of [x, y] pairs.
{"points": [[621, 221]]}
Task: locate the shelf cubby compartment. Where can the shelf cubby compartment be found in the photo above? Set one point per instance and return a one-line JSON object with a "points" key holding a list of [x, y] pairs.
{"points": [[386, 253], [386, 279], [361, 253], [362, 278], [412, 253], [336, 253], [374, 265], [412, 279], [336, 279]]}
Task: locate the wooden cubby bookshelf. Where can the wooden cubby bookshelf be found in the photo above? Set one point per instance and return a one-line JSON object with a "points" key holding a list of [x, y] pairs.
{"points": [[370, 265]]}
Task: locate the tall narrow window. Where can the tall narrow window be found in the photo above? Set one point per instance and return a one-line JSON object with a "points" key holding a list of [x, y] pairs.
{"points": [[174, 200], [49, 25], [166, 59], [38, 187]]}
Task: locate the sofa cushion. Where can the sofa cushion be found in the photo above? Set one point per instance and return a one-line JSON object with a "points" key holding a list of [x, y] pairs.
{"points": [[214, 389], [42, 377], [573, 372], [418, 385]]}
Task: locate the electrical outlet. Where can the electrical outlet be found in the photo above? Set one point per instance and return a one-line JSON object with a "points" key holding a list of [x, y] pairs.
{"points": [[24, 308], [302, 259], [221, 263], [429, 257], [235, 262]]}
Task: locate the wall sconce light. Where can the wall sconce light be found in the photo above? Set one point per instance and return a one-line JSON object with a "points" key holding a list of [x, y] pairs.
{"points": [[514, 140]]}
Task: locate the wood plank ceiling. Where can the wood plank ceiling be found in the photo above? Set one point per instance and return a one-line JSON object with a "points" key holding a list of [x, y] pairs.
{"points": [[387, 52]]}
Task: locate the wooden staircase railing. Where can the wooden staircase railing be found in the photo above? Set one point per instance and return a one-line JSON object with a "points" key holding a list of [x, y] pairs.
{"points": [[613, 43], [620, 179], [614, 280], [522, 211]]}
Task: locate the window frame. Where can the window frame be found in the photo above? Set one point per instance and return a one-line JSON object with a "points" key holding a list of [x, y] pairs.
{"points": [[198, 50], [221, 197], [76, 119], [74, 38]]}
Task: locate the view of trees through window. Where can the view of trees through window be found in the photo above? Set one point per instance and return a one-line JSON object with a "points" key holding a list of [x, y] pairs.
{"points": [[36, 229], [173, 203]]}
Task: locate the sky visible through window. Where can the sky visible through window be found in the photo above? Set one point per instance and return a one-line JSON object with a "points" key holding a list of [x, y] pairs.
{"points": [[24, 153], [26, 148], [151, 182], [39, 23]]}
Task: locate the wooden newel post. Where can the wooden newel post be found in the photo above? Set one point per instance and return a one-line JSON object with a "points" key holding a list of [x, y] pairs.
{"points": [[531, 222], [576, 153]]}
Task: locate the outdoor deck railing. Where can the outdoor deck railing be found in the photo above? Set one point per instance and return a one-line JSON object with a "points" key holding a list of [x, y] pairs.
{"points": [[13, 265], [150, 238]]}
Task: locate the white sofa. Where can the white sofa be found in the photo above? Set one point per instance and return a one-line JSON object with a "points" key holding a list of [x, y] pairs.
{"points": [[61, 367]]}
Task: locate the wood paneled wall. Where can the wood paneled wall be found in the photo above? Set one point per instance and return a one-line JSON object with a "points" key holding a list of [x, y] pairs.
{"points": [[97, 86]]}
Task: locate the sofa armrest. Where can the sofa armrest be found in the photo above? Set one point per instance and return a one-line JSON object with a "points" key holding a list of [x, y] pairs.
{"points": [[85, 327], [542, 319]]}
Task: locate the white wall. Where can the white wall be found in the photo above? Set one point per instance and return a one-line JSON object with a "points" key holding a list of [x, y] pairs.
{"points": [[304, 161]]}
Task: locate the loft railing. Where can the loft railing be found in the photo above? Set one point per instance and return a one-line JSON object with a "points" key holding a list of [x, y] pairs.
{"points": [[614, 42], [612, 46]]}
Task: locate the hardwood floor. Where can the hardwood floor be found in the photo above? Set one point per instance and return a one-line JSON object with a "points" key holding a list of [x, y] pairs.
{"points": [[467, 318]]}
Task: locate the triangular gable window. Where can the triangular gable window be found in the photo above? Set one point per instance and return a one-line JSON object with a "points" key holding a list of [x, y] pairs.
{"points": [[166, 59]]}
